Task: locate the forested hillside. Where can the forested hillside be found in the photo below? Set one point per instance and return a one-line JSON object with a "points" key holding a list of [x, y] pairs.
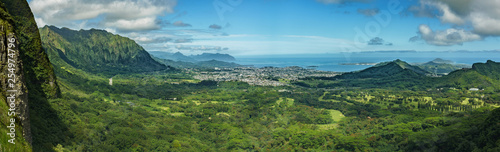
{"points": [[386, 69], [481, 75], [392, 74], [171, 111], [96, 51], [34, 80], [90, 90], [441, 67]]}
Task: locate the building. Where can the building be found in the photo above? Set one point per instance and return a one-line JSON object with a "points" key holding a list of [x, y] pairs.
{"points": [[474, 89]]}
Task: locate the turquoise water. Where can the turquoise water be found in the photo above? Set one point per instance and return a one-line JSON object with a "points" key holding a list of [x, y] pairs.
{"points": [[333, 62]]}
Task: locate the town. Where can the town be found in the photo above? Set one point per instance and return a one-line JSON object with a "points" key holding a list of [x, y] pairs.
{"points": [[265, 76]]}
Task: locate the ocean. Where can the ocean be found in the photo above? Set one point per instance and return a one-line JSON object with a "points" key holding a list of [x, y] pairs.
{"points": [[346, 62]]}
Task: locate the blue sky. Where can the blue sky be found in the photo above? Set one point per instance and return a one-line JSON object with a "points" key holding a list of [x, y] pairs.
{"points": [[261, 27]]}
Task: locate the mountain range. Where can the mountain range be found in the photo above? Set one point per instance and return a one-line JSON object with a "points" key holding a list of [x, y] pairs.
{"points": [[210, 64], [399, 74], [203, 61], [439, 66], [481, 75], [96, 51], [193, 58]]}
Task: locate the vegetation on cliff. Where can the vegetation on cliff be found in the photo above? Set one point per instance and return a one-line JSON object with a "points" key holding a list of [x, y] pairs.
{"points": [[96, 51]]}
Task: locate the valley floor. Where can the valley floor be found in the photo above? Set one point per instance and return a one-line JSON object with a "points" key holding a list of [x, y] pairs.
{"points": [[166, 111]]}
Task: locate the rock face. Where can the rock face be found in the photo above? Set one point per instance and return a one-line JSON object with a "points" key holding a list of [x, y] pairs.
{"points": [[13, 85], [25, 68], [39, 73]]}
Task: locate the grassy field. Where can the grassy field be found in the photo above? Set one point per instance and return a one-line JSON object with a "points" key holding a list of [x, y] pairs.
{"points": [[288, 101], [336, 116]]}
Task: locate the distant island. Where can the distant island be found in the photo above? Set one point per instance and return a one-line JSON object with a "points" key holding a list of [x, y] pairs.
{"points": [[439, 60], [362, 63]]}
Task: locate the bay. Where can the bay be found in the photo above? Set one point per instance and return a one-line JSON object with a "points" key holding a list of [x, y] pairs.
{"points": [[346, 62]]}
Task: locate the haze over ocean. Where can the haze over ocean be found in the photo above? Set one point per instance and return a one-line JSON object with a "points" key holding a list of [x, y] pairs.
{"points": [[335, 61]]}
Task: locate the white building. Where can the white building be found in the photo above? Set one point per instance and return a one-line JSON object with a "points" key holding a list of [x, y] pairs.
{"points": [[474, 89]]}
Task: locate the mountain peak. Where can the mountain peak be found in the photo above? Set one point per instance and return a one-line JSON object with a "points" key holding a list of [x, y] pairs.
{"points": [[398, 62], [213, 56], [490, 69], [481, 75], [386, 69], [439, 60]]}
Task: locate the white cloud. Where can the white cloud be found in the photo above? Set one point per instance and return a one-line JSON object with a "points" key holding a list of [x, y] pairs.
{"points": [[482, 17], [272, 44], [111, 13], [149, 40], [486, 24], [40, 22], [147, 23], [448, 15], [446, 37]]}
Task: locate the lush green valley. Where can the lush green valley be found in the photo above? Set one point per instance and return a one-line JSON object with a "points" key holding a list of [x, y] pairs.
{"points": [[91, 90], [148, 112], [392, 106]]}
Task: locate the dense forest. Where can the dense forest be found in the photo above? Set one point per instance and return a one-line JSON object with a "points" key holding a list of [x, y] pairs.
{"points": [[142, 112], [392, 106], [95, 91]]}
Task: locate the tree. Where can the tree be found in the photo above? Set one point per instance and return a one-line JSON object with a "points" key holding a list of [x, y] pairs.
{"points": [[176, 144]]}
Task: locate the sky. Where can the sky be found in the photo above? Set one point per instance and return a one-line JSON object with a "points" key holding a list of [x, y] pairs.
{"points": [[274, 27]]}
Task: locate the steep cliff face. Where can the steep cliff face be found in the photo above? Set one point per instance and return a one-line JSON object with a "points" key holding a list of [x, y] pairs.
{"points": [[96, 51], [38, 70], [15, 111], [27, 76]]}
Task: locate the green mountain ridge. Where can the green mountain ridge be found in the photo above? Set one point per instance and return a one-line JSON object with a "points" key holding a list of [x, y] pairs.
{"points": [[200, 64], [439, 60], [490, 69], [212, 56], [399, 74], [392, 74], [203, 61], [481, 75], [97, 51], [441, 67], [386, 69]]}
